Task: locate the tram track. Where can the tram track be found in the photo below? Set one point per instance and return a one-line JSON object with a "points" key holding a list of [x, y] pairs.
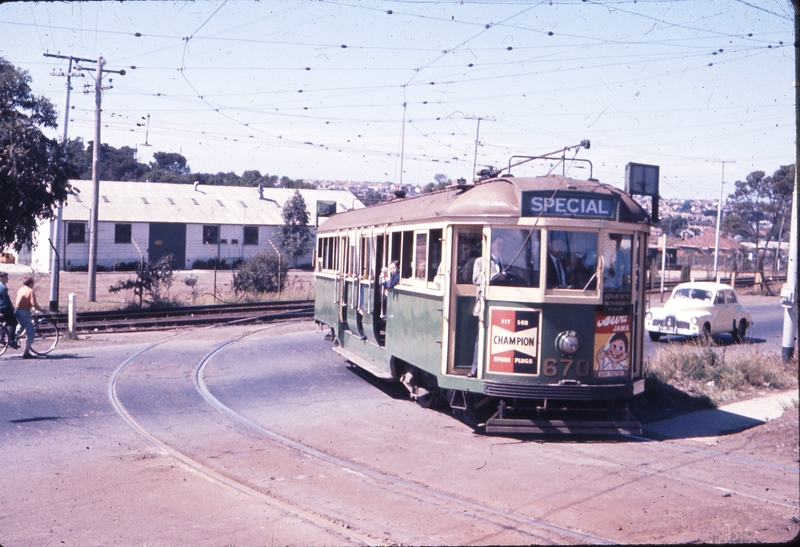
{"points": [[122, 321], [502, 518], [438, 497]]}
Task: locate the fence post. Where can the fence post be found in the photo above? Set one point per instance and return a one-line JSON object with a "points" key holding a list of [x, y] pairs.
{"points": [[72, 314]]}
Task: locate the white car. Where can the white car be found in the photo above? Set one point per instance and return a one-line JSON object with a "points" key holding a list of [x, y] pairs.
{"points": [[699, 309]]}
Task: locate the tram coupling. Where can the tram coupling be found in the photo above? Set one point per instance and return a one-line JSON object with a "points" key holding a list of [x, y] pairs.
{"points": [[562, 421]]}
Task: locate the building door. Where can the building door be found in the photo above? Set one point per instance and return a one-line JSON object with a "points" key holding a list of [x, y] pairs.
{"points": [[168, 238]]}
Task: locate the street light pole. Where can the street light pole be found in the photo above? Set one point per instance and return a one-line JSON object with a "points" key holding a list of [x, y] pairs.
{"points": [[719, 216]]}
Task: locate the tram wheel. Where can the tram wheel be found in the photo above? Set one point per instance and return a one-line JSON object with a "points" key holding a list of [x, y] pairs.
{"points": [[429, 399]]}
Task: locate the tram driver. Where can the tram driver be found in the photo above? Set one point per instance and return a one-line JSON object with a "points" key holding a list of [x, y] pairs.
{"points": [[559, 275], [499, 272]]}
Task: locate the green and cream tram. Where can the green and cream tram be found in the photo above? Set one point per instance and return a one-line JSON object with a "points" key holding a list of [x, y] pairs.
{"points": [[519, 299]]}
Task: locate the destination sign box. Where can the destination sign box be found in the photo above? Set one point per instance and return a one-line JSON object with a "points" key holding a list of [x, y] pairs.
{"points": [[568, 204]]}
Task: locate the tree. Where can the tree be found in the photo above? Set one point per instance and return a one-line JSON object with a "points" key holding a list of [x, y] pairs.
{"points": [[294, 235], [759, 208], [115, 163], [286, 182], [442, 182], [150, 280], [34, 170], [264, 272]]}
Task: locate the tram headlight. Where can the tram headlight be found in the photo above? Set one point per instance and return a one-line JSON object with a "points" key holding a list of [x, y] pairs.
{"points": [[567, 342]]}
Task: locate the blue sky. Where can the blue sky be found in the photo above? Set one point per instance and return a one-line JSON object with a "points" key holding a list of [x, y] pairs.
{"points": [[315, 89]]}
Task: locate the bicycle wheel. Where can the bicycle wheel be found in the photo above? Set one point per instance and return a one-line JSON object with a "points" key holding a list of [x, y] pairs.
{"points": [[46, 336], [3, 339]]}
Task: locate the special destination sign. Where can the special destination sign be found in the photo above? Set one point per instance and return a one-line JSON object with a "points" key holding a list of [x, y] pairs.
{"points": [[513, 340], [567, 204]]}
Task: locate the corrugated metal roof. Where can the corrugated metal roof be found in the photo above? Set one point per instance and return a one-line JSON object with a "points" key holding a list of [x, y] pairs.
{"points": [[182, 203], [499, 197]]}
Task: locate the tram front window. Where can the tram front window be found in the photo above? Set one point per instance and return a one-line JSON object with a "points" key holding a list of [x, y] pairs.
{"points": [[514, 259], [571, 260], [617, 258]]}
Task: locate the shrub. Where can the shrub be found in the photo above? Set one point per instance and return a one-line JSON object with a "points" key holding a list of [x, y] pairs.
{"points": [[717, 373], [153, 280], [265, 272]]}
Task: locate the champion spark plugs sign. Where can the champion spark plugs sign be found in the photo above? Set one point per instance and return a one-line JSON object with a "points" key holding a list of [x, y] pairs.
{"points": [[514, 340]]}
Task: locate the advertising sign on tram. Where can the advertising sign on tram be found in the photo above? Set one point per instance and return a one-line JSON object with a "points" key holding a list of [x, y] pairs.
{"points": [[514, 340]]}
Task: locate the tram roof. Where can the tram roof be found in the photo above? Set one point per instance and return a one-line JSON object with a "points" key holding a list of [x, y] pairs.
{"points": [[495, 198]]}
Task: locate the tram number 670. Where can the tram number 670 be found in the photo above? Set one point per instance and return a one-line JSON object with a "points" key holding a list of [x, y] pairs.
{"points": [[550, 367]]}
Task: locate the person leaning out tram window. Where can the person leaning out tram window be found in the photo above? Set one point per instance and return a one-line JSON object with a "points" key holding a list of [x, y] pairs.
{"points": [[388, 280]]}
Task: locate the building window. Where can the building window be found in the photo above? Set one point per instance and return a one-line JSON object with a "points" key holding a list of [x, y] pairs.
{"points": [[76, 232], [251, 235], [211, 234], [122, 233]]}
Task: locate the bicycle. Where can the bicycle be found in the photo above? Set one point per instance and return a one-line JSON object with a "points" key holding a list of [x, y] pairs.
{"points": [[45, 338]]}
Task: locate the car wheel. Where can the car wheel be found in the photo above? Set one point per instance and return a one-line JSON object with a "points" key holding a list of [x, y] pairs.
{"points": [[741, 332], [705, 334], [654, 336]]}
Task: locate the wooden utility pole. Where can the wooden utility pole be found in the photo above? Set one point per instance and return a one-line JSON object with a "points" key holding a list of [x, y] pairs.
{"points": [[55, 262], [93, 212]]}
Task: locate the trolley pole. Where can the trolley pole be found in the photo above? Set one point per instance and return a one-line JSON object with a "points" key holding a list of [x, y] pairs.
{"points": [[477, 138]]}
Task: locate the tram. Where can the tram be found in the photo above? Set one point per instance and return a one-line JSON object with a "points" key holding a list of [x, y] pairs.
{"points": [[517, 302]]}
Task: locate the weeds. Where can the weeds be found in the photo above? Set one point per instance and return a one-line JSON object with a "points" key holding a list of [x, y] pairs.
{"points": [[717, 373]]}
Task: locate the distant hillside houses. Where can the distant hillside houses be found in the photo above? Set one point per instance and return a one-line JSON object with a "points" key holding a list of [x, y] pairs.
{"points": [[145, 221]]}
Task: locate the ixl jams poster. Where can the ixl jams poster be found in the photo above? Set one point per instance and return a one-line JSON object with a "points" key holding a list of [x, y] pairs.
{"points": [[612, 342], [514, 340]]}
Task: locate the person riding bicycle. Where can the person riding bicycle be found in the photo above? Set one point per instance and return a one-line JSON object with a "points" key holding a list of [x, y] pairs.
{"points": [[7, 311], [26, 302]]}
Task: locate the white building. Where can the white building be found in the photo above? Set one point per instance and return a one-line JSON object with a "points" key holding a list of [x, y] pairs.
{"points": [[145, 220]]}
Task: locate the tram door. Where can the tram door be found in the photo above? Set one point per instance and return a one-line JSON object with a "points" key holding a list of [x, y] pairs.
{"points": [[638, 283], [466, 249]]}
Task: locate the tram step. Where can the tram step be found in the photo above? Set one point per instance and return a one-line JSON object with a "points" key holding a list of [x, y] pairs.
{"points": [[550, 427], [360, 362]]}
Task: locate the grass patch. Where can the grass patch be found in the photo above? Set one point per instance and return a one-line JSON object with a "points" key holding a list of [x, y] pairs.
{"points": [[686, 377]]}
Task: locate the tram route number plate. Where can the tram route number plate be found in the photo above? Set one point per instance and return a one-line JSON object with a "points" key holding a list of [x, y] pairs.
{"points": [[514, 340]]}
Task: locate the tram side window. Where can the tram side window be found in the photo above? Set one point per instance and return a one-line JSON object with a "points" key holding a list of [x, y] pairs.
{"points": [[468, 250], [617, 258], [434, 253], [514, 259], [367, 259], [407, 256], [421, 256], [571, 260], [326, 253]]}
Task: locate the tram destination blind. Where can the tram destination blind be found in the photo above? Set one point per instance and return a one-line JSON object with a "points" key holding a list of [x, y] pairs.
{"points": [[568, 204]]}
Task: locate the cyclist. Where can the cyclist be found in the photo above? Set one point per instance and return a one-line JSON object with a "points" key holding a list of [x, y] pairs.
{"points": [[7, 311], [26, 302]]}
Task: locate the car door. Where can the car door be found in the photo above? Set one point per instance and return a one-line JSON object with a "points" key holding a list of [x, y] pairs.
{"points": [[723, 312]]}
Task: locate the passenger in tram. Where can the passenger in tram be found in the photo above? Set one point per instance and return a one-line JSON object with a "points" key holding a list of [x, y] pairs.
{"points": [[559, 275], [387, 280], [498, 276], [618, 272]]}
